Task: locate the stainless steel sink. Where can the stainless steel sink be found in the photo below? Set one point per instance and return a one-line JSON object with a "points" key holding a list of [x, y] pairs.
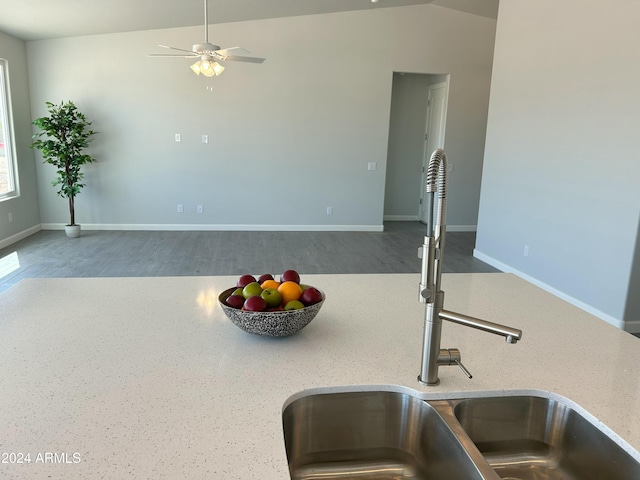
{"points": [[387, 435], [533, 438], [371, 435]]}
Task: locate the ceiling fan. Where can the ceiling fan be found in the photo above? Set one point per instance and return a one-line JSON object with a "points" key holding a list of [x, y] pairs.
{"points": [[208, 54]]}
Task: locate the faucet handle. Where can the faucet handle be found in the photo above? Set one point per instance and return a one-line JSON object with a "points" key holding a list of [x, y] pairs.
{"points": [[451, 356], [464, 369]]}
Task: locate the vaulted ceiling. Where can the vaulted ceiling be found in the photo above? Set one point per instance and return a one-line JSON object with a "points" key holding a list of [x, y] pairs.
{"points": [[42, 19]]}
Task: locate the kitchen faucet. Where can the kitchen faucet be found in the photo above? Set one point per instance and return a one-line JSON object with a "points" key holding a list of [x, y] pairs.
{"points": [[431, 294]]}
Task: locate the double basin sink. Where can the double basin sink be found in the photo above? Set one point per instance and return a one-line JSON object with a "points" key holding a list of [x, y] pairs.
{"points": [[382, 435]]}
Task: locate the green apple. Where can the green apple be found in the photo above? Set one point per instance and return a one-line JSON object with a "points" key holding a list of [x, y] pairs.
{"points": [[272, 297], [237, 291], [294, 305], [252, 289]]}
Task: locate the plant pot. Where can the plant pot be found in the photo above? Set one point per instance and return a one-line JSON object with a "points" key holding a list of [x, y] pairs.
{"points": [[72, 231]]}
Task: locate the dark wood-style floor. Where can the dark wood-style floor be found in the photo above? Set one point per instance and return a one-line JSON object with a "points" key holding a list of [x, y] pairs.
{"points": [[168, 253]]}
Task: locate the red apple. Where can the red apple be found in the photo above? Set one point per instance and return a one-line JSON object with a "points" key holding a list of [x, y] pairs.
{"points": [[245, 280], [290, 276], [311, 296], [235, 301], [255, 304], [264, 277]]}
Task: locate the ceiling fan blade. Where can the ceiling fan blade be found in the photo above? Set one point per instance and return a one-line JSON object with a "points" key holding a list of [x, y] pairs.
{"points": [[237, 58], [179, 49], [232, 51], [170, 55]]}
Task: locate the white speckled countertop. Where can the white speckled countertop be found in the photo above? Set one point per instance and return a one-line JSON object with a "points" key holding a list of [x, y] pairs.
{"points": [[136, 378]]}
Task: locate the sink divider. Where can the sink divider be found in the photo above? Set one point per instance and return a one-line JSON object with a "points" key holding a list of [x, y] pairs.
{"points": [[445, 410]]}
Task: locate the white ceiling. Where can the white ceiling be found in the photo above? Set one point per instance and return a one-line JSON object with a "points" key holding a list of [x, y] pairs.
{"points": [[42, 19]]}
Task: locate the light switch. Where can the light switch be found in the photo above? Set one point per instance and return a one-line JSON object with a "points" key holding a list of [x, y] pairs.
{"points": [[205, 138], [178, 137], [372, 166]]}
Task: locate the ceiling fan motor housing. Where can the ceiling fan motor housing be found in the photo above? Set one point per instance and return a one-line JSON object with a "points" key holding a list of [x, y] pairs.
{"points": [[205, 48]]}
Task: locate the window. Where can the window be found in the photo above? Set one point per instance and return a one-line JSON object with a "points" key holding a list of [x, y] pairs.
{"points": [[7, 164]]}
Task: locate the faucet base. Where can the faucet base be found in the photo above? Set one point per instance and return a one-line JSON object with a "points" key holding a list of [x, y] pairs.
{"points": [[427, 384]]}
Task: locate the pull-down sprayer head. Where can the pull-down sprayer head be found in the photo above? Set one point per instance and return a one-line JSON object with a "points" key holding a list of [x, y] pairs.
{"points": [[434, 240], [436, 181]]}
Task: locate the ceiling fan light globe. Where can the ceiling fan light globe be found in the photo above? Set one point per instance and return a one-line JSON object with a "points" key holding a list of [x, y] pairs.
{"points": [[217, 68], [196, 68]]}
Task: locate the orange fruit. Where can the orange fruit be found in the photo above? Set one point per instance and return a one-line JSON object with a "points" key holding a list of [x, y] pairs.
{"points": [[270, 284], [289, 291]]}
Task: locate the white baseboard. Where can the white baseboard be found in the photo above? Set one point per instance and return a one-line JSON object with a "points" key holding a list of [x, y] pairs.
{"points": [[20, 235], [631, 327], [415, 218], [401, 218], [213, 228], [462, 228]]}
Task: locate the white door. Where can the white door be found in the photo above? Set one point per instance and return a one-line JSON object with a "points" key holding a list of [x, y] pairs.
{"points": [[434, 134]]}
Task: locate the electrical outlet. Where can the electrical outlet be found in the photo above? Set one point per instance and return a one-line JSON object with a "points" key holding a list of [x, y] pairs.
{"points": [[10, 217], [178, 138], [525, 252], [199, 209], [329, 210], [180, 208], [373, 166]]}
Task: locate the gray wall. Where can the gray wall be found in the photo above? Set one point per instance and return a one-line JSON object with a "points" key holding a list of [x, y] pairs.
{"points": [[561, 171], [289, 137], [24, 208]]}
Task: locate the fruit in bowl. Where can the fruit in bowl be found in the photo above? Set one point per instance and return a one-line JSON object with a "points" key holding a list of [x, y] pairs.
{"points": [[271, 308]]}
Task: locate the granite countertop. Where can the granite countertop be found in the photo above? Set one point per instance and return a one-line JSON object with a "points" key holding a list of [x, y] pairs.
{"points": [[142, 378]]}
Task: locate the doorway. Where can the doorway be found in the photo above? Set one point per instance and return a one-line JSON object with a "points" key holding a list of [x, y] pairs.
{"points": [[437, 96], [416, 129]]}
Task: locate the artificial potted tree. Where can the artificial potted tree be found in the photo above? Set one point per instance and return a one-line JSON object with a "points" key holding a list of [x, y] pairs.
{"points": [[64, 136]]}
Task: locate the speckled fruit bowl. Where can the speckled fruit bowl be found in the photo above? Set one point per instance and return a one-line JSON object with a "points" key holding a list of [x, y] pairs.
{"points": [[270, 324]]}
